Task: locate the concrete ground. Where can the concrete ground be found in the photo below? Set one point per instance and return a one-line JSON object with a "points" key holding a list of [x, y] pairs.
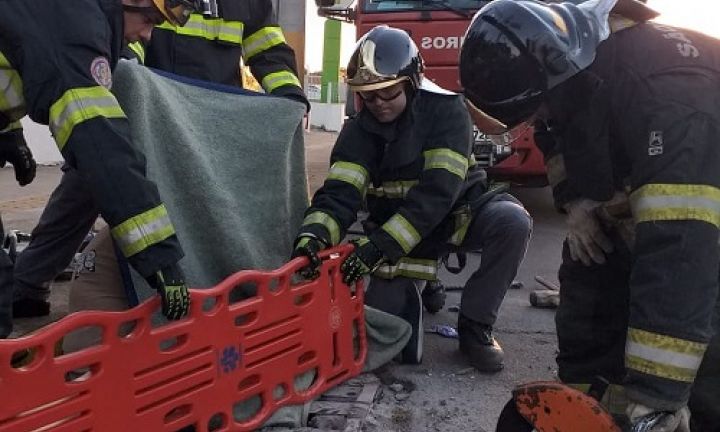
{"points": [[442, 394]]}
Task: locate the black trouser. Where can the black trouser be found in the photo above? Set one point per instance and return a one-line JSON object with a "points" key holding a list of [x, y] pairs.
{"points": [[592, 327], [68, 217]]}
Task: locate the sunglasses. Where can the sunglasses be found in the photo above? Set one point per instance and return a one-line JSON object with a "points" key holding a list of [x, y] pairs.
{"points": [[371, 96]]}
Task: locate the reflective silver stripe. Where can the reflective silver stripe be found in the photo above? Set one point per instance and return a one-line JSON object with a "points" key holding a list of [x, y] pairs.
{"points": [[409, 267], [461, 222], [396, 189], [351, 173], [402, 231], [658, 202], [144, 230], [12, 100], [663, 356], [228, 31], [324, 219], [658, 355], [262, 40], [448, 160]]}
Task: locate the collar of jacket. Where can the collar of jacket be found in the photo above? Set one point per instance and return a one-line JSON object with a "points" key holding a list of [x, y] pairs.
{"points": [[398, 138], [114, 12]]}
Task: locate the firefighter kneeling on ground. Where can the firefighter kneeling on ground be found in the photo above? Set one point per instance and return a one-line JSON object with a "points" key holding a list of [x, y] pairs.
{"points": [[640, 112], [406, 158]]}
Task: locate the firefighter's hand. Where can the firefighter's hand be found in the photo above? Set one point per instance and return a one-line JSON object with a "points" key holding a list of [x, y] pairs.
{"points": [[586, 239], [365, 259], [309, 247], [13, 149], [170, 285], [646, 419]]}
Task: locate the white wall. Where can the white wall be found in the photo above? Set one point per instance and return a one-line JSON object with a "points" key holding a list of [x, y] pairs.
{"points": [[41, 143]]}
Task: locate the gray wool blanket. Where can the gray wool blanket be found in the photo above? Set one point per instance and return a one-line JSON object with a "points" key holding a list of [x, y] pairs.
{"points": [[231, 170]]}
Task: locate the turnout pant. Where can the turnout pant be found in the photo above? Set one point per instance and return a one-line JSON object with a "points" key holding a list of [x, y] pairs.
{"points": [[68, 217], [501, 229], [592, 322]]}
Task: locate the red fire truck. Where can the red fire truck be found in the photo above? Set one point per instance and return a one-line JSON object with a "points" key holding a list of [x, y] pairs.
{"points": [[438, 26]]}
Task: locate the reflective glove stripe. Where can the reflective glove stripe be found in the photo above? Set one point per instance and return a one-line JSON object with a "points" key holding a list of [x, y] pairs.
{"points": [[392, 189], [448, 160], [351, 173], [262, 40], [327, 221], [139, 51], [78, 105], [415, 268], [402, 232], [663, 356], [276, 80], [12, 101], [211, 29], [663, 202], [144, 230]]}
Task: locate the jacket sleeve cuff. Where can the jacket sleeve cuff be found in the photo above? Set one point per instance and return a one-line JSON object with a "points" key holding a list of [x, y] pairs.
{"points": [[387, 245]]}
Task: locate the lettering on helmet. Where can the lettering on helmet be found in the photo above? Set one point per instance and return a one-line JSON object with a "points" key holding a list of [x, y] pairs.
{"points": [[684, 45], [441, 42]]}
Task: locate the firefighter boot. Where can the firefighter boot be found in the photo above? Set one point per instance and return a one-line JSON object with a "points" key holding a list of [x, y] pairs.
{"points": [[433, 296], [479, 345]]}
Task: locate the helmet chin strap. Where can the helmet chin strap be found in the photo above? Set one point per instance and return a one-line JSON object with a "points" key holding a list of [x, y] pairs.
{"points": [[138, 9]]}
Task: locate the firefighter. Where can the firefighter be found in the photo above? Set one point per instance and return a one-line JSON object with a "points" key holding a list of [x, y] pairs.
{"points": [[215, 50], [406, 157], [206, 49], [65, 82], [635, 111]]}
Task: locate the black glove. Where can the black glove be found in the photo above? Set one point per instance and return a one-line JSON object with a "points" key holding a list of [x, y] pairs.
{"points": [[170, 285], [13, 149], [365, 259], [309, 247]]}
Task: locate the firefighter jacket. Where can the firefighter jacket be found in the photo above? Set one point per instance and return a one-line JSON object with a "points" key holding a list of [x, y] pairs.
{"points": [[214, 49], [56, 61], [646, 115], [416, 178]]}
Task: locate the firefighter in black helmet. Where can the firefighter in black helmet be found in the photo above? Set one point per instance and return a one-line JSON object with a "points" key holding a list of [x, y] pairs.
{"points": [[622, 107], [406, 157], [56, 61]]}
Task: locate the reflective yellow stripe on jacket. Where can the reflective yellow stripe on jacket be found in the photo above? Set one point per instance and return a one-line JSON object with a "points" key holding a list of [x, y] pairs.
{"points": [[211, 29], [415, 268], [12, 101], [448, 160], [663, 356], [351, 173], [402, 231], [392, 189], [461, 223], [261, 40], [275, 80], [139, 51], [664, 202], [78, 105], [142, 231], [324, 219]]}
